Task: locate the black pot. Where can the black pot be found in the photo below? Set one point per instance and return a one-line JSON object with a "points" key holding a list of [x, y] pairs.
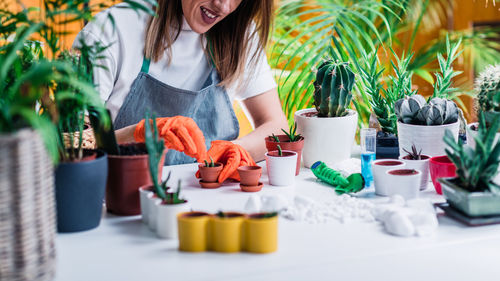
{"points": [[387, 146], [80, 188]]}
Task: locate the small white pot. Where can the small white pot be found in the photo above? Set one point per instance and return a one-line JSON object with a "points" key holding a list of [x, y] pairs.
{"points": [[379, 169], [326, 139], [420, 165], [406, 185], [281, 169], [427, 138], [166, 221], [145, 194], [153, 203], [472, 143]]}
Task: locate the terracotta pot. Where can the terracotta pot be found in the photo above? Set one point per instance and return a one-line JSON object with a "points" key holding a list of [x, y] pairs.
{"points": [[252, 188], [285, 144], [126, 174], [250, 175], [209, 185], [210, 174]]}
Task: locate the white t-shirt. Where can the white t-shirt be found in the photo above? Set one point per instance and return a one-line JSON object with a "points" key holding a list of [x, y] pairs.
{"points": [[188, 68]]}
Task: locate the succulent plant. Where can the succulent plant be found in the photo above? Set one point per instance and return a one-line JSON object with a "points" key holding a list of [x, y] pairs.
{"points": [[442, 86], [438, 111], [476, 167], [209, 164], [332, 88], [292, 134], [414, 154], [488, 89]]}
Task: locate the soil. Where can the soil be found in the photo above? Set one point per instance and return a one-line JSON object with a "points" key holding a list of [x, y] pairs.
{"points": [[388, 163], [260, 216], [230, 215], [284, 138], [422, 157], [275, 154], [132, 149], [195, 214], [403, 172], [310, 114]]}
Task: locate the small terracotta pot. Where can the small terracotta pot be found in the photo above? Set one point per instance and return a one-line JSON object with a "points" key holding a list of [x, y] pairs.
{"points": [[210, 174], [252, 188], [285, 144], [250, 175], [209, 185], [126, 174]]}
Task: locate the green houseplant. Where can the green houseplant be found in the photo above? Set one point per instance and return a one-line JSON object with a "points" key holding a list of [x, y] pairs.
{"points": [[473, 190], [321, 125], [290, 140]]}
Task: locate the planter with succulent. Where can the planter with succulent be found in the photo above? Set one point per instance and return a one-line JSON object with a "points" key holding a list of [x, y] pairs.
{"points": [[473, 191], [329, 128], [382, 100], [226, 232], [289, 141], [193, 228], [261, 233], [414, 159], [281, 165], [249, 178], [209, 172]]}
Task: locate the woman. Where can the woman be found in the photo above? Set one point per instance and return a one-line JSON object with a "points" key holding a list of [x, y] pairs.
{"points": [[188, 64]]}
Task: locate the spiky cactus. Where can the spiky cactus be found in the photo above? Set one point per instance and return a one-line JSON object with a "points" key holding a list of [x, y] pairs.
{"points": [[332, 88], [438, 111], [488, 89]]}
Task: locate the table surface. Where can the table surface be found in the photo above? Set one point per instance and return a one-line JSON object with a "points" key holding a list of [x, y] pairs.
{"points": [[123, 248]]}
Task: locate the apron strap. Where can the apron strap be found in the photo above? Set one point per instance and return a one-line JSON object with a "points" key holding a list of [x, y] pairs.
{"points": [[145, 65]]}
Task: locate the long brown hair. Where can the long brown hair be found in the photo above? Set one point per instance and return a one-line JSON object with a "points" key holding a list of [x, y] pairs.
{"points": [[229, 41]]}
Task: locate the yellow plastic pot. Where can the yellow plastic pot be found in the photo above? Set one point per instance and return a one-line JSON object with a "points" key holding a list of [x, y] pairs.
{"points": [[193, 230], [226, 232], [261, 234]]}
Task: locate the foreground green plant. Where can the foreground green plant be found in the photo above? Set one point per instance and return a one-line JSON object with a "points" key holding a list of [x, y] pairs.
{"points": [[476, 167], [291, 134]]}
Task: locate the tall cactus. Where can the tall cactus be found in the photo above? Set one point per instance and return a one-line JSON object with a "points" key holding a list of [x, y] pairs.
{"points": [[332, 88], [488, 89]]}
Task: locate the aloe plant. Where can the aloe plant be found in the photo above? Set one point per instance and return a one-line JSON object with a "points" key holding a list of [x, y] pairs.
{"points": [[442, 86], [209, 164], [291, 134], [280, 152], [476, 167], [414, 154]]}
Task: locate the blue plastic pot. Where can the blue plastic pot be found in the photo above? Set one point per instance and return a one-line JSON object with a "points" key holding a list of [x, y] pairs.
{"points": [[80, 189]]}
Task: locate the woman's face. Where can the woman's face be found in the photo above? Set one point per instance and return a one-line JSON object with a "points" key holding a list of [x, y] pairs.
{"points": [[201, 15]]}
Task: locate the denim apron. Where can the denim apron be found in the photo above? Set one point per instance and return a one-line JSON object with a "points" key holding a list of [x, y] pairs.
{"points": [[209, 107]]}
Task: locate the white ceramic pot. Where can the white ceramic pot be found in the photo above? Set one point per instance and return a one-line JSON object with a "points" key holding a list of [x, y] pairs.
{"points": [[281, 169], [145, 194], [427, 138], [326, 139], [404, 182], [419, 165], [472, 143], [166, 220], [379, 169], [152, 207]]}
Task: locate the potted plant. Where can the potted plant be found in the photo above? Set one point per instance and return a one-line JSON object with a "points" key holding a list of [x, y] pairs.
{"points": [[382, 100], [329, 128], [289, 141], [249, 178], [226, 228], [380, 179], [404, 182], [171, 204], [473, 191], [414, 159], [261, 232], [209, 172], [149, 200], [281, 166], [193, 230]]}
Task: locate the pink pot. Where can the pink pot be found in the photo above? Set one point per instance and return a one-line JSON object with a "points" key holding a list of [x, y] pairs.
{"points": [[441, 167]]}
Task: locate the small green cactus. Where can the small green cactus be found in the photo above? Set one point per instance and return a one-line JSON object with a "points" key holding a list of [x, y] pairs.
{"points": [[211, 164], [488, 89], [332, 88], [438, 111], [280, 152]]}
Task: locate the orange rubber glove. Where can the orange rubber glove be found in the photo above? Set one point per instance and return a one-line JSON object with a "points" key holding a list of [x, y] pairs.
{"points": [[231, 156], [180, 133]]}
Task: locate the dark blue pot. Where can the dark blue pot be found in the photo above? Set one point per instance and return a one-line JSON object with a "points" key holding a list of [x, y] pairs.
{"points": [[387, 146], [80, 188]]}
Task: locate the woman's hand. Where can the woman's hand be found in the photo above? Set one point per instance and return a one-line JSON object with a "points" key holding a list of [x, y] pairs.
{"points": [[268, 118]]}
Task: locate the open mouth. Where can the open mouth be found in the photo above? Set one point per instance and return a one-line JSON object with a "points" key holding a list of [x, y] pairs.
{"points": [[208, 16]]}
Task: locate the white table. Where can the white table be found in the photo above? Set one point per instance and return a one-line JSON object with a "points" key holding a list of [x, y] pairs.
{"points": [[123, 248]]}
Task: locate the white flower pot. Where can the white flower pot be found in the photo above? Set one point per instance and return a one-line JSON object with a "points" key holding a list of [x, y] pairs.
{"points": [[419, 165], [472, 143], [380, 179], [427, 138], [406, 185], [145, 194], [326, 139], [281, 169], [152, 207], [166, 220]]}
